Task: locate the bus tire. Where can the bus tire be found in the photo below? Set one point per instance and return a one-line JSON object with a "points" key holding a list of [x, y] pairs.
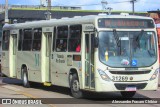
{"points": [[126, 94], [75, 87], [25, 78]]}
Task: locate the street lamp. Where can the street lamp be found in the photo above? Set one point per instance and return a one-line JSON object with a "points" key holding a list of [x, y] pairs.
{"points": [[104, 5], [47, 15], [109, 10]]}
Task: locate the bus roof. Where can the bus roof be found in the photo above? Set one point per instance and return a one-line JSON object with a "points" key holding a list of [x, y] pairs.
{"points": [[89, 19]]}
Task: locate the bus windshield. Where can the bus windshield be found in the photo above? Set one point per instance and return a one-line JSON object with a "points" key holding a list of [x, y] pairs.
{"points": [[127, 48]]}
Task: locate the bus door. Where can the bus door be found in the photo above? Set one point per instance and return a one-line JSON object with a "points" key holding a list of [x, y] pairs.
{"points": [[13, 53], [89, 61], [46, 54], [5, 52]]}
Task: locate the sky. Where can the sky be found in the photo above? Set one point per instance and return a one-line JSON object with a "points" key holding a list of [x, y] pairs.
{"points": [[118, 5]]}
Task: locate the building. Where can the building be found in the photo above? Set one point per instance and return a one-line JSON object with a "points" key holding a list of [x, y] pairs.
{"points": [[24, 13], [156, 16]]}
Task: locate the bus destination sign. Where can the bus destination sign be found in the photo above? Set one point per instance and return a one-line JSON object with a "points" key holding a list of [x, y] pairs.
{"points": [[125, 23]]}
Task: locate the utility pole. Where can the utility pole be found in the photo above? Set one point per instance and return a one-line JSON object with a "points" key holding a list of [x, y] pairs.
{"points": [[132, 1], [6, 20], [48, 10]]}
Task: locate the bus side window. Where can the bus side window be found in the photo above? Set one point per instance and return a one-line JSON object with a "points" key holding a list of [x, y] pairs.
{"points": [[75, 38], [5, 42], [61, 40], [36, 46], [27, 40], [53, 42], [20, 40]]}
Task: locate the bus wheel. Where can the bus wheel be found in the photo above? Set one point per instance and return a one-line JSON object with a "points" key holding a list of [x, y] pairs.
{"points": [[126, 94], [25, 78], [75, 87]]}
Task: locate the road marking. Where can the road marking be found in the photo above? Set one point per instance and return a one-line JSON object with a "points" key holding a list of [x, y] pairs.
{"points": [[11, 88], [24, 93], [31, 96]]}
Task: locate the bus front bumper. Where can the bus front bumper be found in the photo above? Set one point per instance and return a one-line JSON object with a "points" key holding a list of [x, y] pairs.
{"points": [[103, 86]]}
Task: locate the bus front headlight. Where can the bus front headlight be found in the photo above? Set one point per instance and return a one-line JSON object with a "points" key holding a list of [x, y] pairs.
{"points": [[154, 75], [103, 75]]}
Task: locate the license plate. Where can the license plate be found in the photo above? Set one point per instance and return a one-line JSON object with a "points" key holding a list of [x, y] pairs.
{"points": [[130, 89], [119, 78]]}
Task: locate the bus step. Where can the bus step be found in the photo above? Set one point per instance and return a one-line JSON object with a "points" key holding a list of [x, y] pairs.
{"points": [[47, 84]]}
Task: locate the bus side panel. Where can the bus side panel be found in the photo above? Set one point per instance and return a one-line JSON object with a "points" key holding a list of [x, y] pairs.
{"points": [[59, 69], [5, 63], [32, 61], [61, 66]]}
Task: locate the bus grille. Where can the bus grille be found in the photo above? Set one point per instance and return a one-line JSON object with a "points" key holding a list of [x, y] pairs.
{"points": [[123, 86], [130, 72]]}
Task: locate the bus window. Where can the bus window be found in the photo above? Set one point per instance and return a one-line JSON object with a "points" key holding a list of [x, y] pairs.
{"points": [[61, 41], [61, 45], [75, 38], [54, 35], [27, 40], [37, 39], [5, 42], [20, 40], [63, 32]]}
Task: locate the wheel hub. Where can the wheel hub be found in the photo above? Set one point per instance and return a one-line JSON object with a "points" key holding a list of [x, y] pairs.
{"points": [[24, 78], [76, 85]]}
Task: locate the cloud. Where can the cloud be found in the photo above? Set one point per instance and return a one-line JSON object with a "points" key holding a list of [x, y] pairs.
{"points": [[73, 3]]}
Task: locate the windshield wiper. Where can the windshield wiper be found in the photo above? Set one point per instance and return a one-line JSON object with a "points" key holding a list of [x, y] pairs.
{"points": [[116, 37], [139, 37], [151, 53]]}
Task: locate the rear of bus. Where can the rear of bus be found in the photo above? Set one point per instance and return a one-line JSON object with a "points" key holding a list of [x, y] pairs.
{"points": [[127, 58]]}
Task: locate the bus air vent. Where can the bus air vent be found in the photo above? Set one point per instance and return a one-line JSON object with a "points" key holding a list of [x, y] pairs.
{"points": [[130, 72]]}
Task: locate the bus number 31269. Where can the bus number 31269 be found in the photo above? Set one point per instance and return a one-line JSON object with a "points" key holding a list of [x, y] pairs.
{"points": [[119, 78]]}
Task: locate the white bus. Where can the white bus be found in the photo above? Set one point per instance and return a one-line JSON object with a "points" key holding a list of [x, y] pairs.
{"points": [[99, 53]]}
